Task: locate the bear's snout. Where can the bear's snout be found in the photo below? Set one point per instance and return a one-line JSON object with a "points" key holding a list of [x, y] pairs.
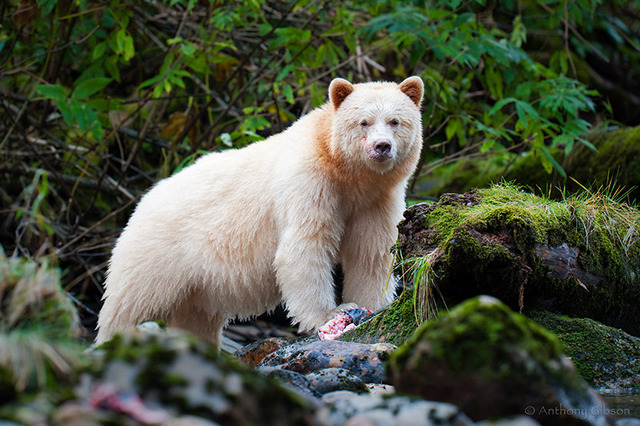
{"points": [[382, 147], [380, 150]]}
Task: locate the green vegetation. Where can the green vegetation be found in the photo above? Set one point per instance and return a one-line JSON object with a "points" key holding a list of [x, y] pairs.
{"points": [[479, 336], [615, 163], [38, 331]]}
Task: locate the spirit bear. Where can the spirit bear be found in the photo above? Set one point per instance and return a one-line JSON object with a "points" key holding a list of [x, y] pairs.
{"points": [[240, 231]]}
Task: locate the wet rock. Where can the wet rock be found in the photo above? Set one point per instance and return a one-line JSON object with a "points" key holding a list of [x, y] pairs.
{"points": [[318, 382], [348, 408], [293, 379], [255, 352], [364, 360], [494, 363], [332, 379]]}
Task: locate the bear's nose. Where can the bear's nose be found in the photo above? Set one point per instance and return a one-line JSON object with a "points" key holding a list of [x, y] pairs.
{"points": [[382, 147]]}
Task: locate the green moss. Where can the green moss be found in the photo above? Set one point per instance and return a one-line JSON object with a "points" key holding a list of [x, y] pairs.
{"points": [[604, 356], [493, 246], [395, 325], [480, 337]]}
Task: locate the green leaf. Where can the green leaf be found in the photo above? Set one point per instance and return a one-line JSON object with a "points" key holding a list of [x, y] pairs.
{"points": [[188, 48], [79, 115], [111, 64], [89, 87], [451, 128], [286, 70], [105, 105], [176, 80], [288, 94], [99, 50], [67, 116], [129, 49], [198, 64], [149, 82], [52, 91], [487, 145], [498, 105], [548, 159]]}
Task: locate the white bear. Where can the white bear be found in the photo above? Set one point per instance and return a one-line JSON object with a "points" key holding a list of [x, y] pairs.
{"points": [[240, 231]]}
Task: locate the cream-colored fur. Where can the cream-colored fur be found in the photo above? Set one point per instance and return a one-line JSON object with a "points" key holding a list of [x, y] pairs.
{"points": [[242, 230]]}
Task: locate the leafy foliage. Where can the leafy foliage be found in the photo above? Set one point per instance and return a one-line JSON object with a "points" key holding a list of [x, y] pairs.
{"points": [[98, 100]]}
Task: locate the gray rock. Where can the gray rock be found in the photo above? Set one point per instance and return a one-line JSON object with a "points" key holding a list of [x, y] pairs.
{"points": [[364, 360], [332, 379], [348, 408]]}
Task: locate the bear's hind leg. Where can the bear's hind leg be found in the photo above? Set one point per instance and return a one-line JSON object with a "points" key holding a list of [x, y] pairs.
{"points": [[190, 316]]}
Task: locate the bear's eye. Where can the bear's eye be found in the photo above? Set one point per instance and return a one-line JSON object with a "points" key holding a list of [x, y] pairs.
{"points": [[364, 123], [394, 122]]}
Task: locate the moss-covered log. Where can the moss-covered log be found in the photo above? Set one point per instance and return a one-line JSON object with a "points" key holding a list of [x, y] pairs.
{"points": [[577, 257]]}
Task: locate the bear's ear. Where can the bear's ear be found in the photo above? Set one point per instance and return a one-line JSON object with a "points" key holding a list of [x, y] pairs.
{"points": [[339, 89], [413, 87]]}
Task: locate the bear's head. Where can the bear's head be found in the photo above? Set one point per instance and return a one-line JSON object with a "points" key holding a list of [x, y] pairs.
{"points": [[377, 125]]}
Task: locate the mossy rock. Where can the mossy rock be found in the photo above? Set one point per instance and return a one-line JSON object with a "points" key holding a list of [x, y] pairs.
{"points": [[615, 163], [187, 375], [492, 363], [577, 257], [393, 325], [607, 358]]}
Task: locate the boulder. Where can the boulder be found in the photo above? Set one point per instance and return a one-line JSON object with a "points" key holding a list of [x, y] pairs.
{"points": [[494, 363], [607, 358]]}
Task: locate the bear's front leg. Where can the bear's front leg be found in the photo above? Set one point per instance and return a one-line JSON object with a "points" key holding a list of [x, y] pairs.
{"points": [[304, 262], [367, 261]]}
